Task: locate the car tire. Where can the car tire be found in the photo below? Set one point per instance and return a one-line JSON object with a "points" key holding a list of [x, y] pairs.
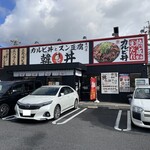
{"points": [[57, 112], [76, 104], [4, 110]]}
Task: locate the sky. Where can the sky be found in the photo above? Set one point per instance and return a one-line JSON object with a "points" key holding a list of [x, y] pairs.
{"points": [[45, 21]]}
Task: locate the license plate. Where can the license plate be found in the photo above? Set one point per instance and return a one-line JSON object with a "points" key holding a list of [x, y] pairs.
{"points": [[26, 112]]}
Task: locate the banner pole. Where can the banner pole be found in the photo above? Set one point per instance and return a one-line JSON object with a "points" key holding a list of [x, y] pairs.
{"points": [[96, 101]]}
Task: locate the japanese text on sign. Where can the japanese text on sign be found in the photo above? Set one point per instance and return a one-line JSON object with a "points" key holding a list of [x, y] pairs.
{"points": [[65, 53], [23, 56], [119, 50]]}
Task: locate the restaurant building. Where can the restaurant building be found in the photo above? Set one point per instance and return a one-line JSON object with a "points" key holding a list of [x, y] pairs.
{"points": [[103, 69]]}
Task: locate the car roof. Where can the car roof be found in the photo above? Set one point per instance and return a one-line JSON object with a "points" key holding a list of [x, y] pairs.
{"points": [[58, 86]]}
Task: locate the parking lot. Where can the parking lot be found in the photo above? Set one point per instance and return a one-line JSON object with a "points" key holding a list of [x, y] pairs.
{"points": [[81, 129]]}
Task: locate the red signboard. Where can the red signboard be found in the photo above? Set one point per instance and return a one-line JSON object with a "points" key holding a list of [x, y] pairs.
{"points": [[136, 49], [129, 49]]}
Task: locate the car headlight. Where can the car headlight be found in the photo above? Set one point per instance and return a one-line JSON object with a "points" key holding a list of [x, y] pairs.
{"points": [[19, 103], [45, 103], [137, 109]]}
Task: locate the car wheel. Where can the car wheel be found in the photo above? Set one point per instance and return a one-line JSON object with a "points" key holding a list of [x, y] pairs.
{"points": [[4, 110], [76, 104], [57, 112]]}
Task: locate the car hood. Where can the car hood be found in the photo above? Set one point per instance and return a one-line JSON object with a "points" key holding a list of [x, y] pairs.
{"points": [[33, 99], [144, 103]]}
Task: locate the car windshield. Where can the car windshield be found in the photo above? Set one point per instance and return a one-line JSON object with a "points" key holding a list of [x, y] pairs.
{"points": [[142, 93], [4, 86], [46, 91]]}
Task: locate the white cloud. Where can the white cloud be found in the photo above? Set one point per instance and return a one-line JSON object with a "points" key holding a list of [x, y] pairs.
{"points": [[47, 20]]}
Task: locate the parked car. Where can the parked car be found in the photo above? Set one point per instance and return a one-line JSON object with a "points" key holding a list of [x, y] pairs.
{"points": [[47, 102], [140, 106], [11, 91]]}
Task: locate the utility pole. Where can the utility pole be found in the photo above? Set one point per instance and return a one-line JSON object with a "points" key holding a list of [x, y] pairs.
{"points": [[146, 30]]}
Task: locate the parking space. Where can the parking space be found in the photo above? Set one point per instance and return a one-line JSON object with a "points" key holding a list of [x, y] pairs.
{"points": [[64, 118], [83, 128], [112, 119], [68, 116]]}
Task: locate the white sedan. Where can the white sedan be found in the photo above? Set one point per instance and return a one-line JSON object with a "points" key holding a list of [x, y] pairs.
{"points": [[47, 102], [140, 106]]}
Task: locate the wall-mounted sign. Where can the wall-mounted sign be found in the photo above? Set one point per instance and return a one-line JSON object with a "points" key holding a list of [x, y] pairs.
{"points": [[5, 57], [22, 56], [109, 83], [14, 57], [120, 50], [141, 81], [63, 53], [124, 82], [43, 73]]}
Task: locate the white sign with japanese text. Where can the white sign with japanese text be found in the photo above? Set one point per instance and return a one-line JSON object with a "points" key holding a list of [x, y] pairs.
{"points": [[109, 83], [63, 53]]}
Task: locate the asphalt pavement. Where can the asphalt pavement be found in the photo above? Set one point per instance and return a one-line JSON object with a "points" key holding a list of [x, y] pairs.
{"points": [[111, 105]]}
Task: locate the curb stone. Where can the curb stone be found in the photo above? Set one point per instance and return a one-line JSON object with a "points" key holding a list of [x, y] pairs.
{"points": [[108, 105]]}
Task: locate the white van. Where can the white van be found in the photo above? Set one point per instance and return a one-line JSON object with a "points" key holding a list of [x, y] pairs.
{"points": [[140, 106]]}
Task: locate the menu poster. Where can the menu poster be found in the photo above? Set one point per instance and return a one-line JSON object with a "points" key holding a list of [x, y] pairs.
{"points": [[109, 83], [124, 83]]}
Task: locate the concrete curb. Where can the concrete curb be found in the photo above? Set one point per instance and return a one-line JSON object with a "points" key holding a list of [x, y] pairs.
{"points": [[109, 105]]}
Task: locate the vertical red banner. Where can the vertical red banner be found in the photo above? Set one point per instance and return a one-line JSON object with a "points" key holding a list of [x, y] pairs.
{"points": [[93, 88]]}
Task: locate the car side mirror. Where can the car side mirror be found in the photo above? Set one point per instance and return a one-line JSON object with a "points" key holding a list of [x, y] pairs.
{"points": [[62, 94]]}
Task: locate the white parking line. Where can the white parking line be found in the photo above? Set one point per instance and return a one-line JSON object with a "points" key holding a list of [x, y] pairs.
{"points": [[118, 121], [128, 122], [55, 122], [12, 117]]}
